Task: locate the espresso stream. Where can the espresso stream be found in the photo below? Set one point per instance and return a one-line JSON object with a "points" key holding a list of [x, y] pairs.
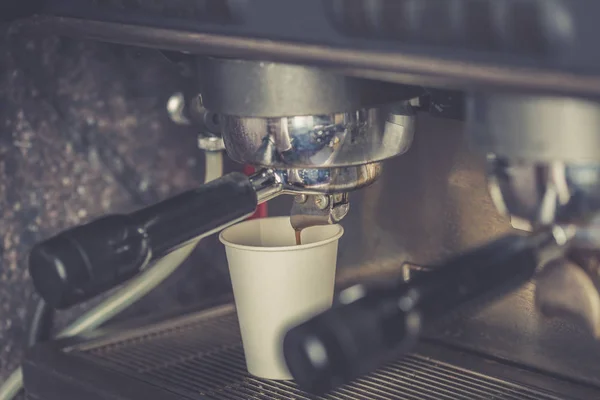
{"points": [[303, 221]]}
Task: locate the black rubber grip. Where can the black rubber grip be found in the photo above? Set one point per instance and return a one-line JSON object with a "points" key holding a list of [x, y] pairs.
{"points": [[85, 261], [381, 323], [189, 215]]}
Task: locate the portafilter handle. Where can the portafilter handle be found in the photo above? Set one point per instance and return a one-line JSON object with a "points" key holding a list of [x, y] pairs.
{"points": [[87, 260], [369, 326]]}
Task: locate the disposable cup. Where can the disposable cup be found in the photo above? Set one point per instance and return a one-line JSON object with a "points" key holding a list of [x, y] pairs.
{"points": [[277, 284]]}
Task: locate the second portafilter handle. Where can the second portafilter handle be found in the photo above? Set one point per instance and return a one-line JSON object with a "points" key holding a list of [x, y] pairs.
{"points": [[369, 326]]}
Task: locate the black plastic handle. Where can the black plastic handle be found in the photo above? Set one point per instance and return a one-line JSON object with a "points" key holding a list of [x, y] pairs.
{"points": [[87, 260], [356, 336], [210, 207]]}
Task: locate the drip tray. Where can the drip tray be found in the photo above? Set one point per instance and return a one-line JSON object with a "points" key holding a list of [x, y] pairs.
{"points": [[200, 356]]}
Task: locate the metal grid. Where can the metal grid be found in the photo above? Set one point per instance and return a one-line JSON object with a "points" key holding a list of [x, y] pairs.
{"points": [[204, 359]]}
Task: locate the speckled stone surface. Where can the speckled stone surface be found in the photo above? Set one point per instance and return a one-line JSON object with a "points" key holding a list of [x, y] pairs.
{"points": [[83, 132]]}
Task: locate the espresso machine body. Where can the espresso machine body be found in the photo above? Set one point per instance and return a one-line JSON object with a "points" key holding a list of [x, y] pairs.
{"points": [[429, 128]]}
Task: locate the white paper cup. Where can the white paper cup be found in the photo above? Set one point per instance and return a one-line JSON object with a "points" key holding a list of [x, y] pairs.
{"points": [[277, 284]]}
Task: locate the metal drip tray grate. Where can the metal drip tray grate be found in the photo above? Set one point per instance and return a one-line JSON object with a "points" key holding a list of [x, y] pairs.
{"points": [[203, 359]]}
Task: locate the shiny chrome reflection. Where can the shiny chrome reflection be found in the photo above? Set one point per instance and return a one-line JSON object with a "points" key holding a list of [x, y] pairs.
{"points": [[270, 183], [316, 141], [543, 194]]}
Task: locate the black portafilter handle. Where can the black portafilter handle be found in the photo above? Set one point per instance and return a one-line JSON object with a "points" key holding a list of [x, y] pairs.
{"points": [[370, 326], [87, 260]]}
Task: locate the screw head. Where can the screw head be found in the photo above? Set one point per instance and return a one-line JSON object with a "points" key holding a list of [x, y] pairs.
{"points": [[322, 202], [301, 199]]}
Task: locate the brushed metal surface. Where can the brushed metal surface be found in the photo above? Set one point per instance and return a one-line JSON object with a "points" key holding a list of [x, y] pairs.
{"points": [[203, 358], [428, 204], [404, 67], [512, 329], [433, 202]]}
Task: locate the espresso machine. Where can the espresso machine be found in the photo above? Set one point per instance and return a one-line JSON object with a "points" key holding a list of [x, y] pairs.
{"points": [[494, 296]]}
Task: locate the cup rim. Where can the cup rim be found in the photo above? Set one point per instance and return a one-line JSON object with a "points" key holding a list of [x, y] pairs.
{"points": [[227, 243]]}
